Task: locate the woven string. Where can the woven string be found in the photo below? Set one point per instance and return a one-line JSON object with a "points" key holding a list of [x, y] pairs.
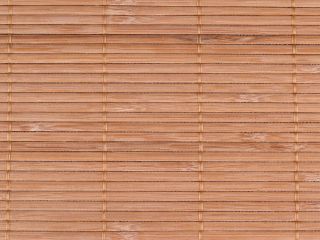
{"points": [[200, 120], [105, 100], [296, 119], [9, 120]]}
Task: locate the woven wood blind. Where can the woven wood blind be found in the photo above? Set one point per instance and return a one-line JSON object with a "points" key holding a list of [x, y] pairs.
{"points": [[159, 120]]}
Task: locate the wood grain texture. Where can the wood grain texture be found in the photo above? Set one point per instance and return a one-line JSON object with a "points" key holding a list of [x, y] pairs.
{"points": [[162, 120]]}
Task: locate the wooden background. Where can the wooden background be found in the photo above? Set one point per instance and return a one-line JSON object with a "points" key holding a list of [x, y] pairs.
{"points": [[159, 120]]}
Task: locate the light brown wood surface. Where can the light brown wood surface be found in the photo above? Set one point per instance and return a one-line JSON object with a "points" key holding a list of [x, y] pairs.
{"points": [[159, 120]]}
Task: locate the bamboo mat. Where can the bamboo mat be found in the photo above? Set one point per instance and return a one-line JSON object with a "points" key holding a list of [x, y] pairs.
{"points": [[159, 120]]}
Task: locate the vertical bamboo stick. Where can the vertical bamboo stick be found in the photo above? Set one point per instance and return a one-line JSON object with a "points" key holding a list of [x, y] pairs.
{"points": [[200, 117], [105, 112], [296, 118], [9, 121]]}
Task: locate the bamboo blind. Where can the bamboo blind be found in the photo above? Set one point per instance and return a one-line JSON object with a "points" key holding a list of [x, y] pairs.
{"points": [[159, 120]]}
